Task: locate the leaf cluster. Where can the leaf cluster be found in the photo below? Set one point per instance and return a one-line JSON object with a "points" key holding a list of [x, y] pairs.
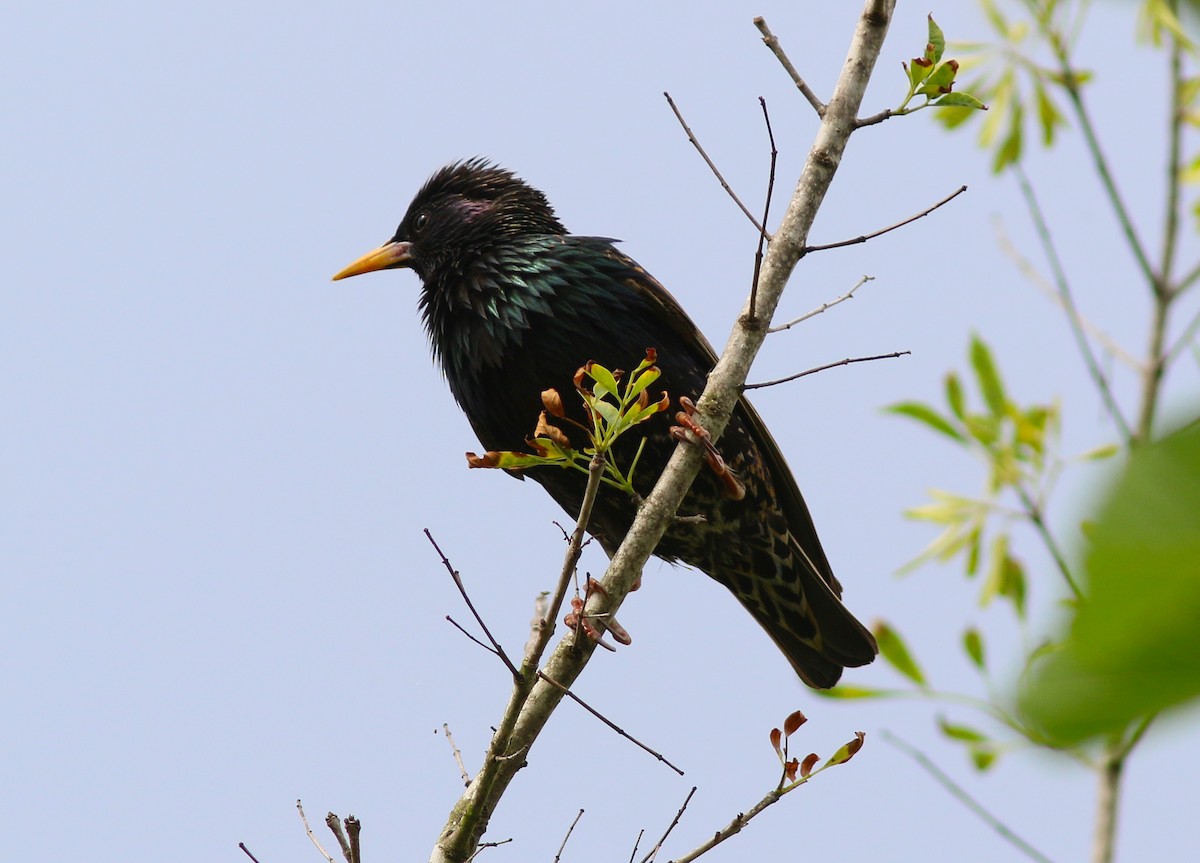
{"points": [[612, 406]]}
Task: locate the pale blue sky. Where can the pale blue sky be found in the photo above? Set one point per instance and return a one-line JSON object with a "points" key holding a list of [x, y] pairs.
{"points": [[217, 464]]}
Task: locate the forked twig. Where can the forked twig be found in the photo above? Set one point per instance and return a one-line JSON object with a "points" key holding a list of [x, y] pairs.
{"points": [[467, 599], [813, 371]]}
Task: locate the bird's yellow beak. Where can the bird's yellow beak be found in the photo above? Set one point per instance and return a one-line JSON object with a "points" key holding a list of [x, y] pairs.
{"points": [[389, 256]]}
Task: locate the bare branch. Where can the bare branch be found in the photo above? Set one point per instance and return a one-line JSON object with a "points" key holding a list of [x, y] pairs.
{"points": [[882, 231], [246, 851], [674, 822], [570, 830], [770, 40], [312, 836], [813, 371], [462, 768], [712, 167], [762, 236], [567, 692], [849, 295]]}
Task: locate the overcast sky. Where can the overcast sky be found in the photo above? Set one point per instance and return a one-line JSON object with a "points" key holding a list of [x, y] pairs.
{"points": [[216, 465]]}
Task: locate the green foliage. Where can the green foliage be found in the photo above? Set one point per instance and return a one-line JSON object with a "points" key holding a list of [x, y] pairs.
{"points": [[1022, 75], [933, 78], [1134, 646], [1018, 445], [613, 408]]}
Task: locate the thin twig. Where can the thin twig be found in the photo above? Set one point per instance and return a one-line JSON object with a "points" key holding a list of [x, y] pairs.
{"points": [[483, 845], [762, 237], [1185, 339], [712, 167], [571, 695], [1035, 514], [885, 114], [849, 295], [1073, 317], [461, 629], [462, 768], [966, 799], [733, 827], [467, 599], [312, 836], [1071, 83], [246, 851], [882, 231], [674, 821], [570, 830], [844, 362], [1111, 345], [772, 42], [636, 843]]}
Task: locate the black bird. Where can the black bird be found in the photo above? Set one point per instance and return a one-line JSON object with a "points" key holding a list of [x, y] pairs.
{"points": [[514, 304]]}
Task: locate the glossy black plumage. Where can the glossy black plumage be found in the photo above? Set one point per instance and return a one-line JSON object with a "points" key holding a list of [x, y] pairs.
{"points": [[514, 304]]}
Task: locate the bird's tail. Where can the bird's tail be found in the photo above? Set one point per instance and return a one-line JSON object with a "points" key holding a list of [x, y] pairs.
{"points": [[806, 620]]}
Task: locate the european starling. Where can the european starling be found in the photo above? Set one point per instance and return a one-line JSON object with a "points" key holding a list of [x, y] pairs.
{"points": [[514, 305]]}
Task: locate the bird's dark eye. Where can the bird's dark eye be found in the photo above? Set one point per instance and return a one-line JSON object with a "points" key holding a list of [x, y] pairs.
{"points": [[419, 223]]}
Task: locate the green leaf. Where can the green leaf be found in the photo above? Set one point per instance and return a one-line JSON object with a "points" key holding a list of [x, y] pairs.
{"points": [[937, 42], [964, 733], [1134, 646], [954, 395], [993, 582], [973, 645], [983, 757], [988, 377], [1009, 151], [1101, 452], [605, 382], [846, 691], [964, 102], [845, 753], [923, 413], [1049, 117], [895, 652]]}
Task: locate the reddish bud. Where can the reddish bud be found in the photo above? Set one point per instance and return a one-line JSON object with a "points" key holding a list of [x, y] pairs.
{"points": [[776, 738], [806, 765], [790, 768], [651, 355]]}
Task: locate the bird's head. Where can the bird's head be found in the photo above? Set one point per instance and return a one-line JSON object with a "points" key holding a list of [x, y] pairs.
{"points": [[463, 210]]}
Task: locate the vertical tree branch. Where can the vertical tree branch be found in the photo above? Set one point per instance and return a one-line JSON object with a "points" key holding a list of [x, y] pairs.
{"points": [[470, 816]]}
